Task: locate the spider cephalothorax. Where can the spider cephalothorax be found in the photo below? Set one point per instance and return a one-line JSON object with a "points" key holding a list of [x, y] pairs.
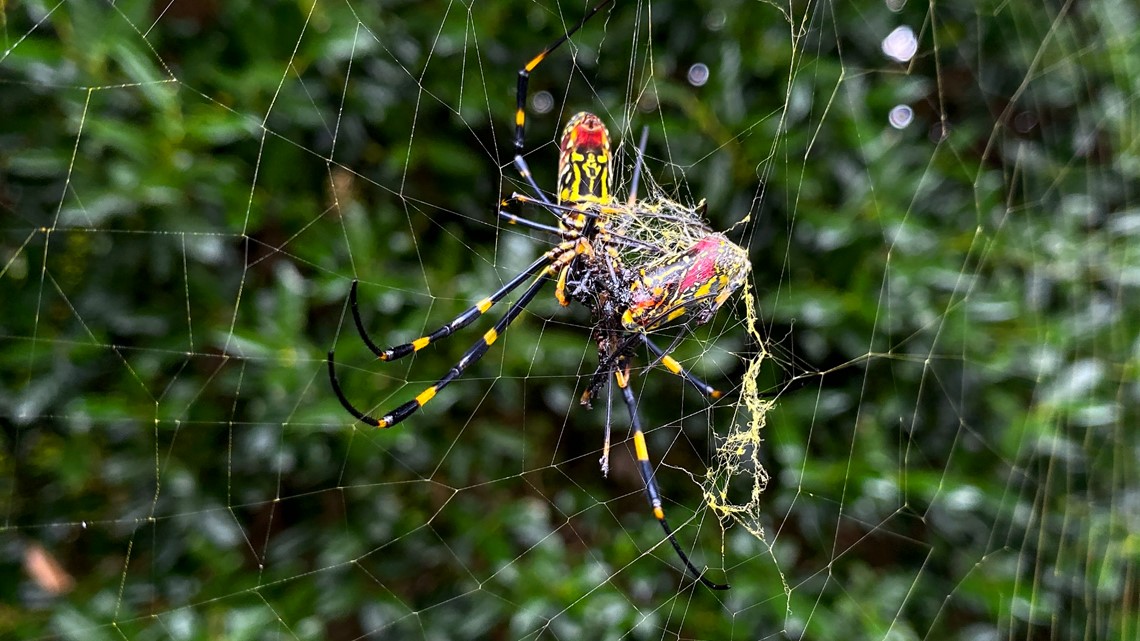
{"points": [[636, 265]]}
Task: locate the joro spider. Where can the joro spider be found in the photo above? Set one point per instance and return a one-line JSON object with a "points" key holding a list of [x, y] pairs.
{"points": [[637, 266]]}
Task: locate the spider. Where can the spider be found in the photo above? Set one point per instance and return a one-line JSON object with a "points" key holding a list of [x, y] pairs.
{"points": [[636, 266]]}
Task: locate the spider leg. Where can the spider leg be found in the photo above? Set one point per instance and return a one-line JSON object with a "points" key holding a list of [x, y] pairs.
{"points": [[605, 459], [519, 220], [524, 171], [563, 212], [472, 355], [524, 80], [459, 322], [596, 212], [637, 166], [607, 364], [651, 491], [570, 217], [673, 366], [662, 356]]}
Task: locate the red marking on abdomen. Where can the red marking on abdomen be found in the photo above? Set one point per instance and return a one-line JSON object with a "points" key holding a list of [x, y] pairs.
{"points": [[590, 138], [587, 133]]}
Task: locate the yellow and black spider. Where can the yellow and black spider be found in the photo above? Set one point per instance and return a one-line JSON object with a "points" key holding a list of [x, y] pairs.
{"points": [[637, 266]]}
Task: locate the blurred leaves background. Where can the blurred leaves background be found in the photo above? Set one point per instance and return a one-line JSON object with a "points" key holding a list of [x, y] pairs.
{"points": [[188, 188]]}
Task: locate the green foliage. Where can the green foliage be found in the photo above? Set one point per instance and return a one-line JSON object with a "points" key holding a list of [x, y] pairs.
{"points": [[188, 190]]}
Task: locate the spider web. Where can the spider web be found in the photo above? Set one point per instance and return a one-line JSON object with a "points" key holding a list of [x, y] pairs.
{"points": [[929, 375]]}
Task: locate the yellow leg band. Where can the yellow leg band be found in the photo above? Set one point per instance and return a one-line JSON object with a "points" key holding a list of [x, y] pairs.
{"points": [[639, 445], [534, 63], [622, 379], [426, 396]]}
